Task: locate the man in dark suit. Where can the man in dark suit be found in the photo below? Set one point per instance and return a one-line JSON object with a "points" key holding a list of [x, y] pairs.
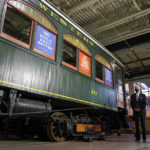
{"points": [[138, 104]]}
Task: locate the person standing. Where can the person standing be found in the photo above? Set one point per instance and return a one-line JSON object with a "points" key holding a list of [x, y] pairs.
{"points": [[138, 105]]}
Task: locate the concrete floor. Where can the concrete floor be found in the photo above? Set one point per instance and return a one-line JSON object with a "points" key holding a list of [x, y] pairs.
{"points": [[114, 142]]}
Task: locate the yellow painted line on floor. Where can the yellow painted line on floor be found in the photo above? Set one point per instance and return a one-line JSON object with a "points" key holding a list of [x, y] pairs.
{"points": [[21, 86]]}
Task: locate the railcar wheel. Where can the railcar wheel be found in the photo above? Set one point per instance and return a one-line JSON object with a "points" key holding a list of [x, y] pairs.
{"points": [[57, 127]]}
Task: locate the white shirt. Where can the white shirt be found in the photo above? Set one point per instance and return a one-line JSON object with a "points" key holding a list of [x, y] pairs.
{"points": [[137, 95]]}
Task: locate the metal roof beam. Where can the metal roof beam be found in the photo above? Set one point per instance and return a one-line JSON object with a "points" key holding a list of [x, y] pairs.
{"points": [[143, 47], [143, 59], [133, 61], [80, 6], [139, 72], [126, 67], [85, 4], [137, 57], [121, 21], [144, 78], [136, 5], [121, 37]]}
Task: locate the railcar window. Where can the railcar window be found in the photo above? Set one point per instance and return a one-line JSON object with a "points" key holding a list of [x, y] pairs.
{"points": [[36, 15], [99, 71], [45, 42], [84, 63], [69, 54], [76, 55], [108, 76], [17, 25], [103, 72]]}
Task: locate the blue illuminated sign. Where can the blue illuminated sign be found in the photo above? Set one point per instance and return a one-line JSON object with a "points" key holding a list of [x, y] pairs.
{"points": [[45, 41], [108, 76]]}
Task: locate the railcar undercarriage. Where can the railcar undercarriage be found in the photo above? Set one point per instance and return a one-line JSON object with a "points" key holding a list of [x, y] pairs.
{"points": [[24, 117]]}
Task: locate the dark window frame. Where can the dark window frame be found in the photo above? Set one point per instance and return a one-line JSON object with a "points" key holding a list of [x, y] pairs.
{"points": [[96, 78], [67, 64], [28, 46]]}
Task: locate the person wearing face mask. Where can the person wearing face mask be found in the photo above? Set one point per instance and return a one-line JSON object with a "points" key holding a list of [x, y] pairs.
{"points": [[138, 105]]}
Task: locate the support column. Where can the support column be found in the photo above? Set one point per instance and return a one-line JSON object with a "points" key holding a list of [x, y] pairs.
{"points": [[131, 88], [131, 91]]}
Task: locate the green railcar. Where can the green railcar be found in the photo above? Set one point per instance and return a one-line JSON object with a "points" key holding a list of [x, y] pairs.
{"points": [[51, 68]]}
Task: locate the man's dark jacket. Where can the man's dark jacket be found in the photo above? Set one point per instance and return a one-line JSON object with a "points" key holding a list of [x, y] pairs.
{"points": [[140, 103]]}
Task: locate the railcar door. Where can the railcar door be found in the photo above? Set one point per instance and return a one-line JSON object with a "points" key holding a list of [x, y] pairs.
{"points": [[119, 87]]}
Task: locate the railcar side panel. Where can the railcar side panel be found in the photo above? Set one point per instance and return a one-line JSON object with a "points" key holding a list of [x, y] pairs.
{"points": [[26, 71]]}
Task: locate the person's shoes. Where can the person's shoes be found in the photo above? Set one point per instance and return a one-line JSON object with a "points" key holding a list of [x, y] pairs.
{"points": [[144, 141]]}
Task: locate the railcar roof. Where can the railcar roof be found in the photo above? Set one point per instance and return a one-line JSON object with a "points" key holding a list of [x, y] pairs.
{"points": [[69, 20]]}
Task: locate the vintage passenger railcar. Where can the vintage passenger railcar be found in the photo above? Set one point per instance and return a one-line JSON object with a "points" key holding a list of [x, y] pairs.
{"points": [[53, 74]]}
